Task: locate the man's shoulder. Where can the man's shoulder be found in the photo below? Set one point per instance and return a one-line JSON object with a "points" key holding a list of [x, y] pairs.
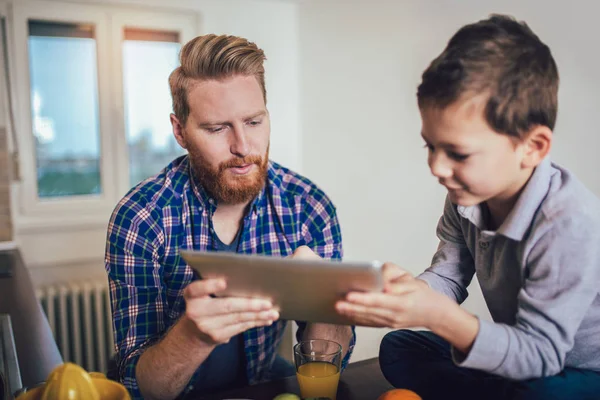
{"points": [[569, 204], [154, 193], [293, 187]]}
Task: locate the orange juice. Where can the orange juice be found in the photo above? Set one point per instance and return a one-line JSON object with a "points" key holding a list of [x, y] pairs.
{"points": [[318, 379]]}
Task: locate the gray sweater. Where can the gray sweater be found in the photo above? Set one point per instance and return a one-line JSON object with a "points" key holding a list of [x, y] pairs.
{"points": [[539, 274]]}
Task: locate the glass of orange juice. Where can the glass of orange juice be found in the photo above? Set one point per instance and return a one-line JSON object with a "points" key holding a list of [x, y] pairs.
{"points": [[318, 366]]}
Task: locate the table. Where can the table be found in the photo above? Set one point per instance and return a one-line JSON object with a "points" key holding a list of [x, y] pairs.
{"points": [[362, 380], [37, 352]]}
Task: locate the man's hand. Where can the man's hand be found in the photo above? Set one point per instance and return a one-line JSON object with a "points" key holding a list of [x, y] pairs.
{"points": [[304, 253], [219, 319]]}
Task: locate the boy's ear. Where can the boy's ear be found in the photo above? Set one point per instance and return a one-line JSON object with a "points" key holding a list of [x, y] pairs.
{"points": [[536, 146]]}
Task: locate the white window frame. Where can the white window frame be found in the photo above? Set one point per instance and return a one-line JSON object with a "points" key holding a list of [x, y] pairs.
{"points": [[30, 203], [143, 20], [34, 213]]}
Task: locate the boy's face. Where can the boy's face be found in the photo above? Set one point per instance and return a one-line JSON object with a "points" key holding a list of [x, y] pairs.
{"points": [[475, 163]]}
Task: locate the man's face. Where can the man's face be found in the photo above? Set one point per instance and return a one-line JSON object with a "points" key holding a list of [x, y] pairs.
{"points": [[475, 163], [227, 137]]}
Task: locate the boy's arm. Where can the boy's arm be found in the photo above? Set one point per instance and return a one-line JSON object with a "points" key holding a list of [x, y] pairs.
{"points": [[452, 267], [562, 279]]}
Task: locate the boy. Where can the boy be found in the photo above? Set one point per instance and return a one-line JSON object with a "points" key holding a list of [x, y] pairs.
{"points": [[527, 227]]}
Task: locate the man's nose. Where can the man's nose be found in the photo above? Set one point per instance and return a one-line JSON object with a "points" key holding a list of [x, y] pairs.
{"points": [[239, 142]]}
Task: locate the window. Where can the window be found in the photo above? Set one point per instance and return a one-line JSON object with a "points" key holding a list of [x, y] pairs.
{"points": [[92, 103], [148, 59], [64, 108]]}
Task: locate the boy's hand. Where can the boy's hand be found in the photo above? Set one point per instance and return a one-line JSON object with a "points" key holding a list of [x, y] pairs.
{"points": [[405, 302]]}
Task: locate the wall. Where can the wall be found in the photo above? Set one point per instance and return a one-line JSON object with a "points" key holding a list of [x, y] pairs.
{"points": [[5, 217], [75, 252], [6, 229], [361, 64]]}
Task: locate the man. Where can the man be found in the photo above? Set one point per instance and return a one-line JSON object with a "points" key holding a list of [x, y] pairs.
{"points": [[172, 336]]}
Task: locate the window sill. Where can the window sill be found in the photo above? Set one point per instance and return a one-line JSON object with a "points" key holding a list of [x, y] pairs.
{"points": [[53, 224]]}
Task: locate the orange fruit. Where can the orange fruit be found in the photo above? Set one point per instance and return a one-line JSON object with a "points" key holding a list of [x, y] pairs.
{"points": [[399, 394]]}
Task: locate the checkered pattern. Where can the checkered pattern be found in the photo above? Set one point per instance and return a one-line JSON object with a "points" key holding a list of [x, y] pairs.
{"points": [[169, 212]]}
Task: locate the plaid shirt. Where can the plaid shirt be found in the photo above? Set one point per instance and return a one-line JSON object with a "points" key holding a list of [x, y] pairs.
{"points": [[169, 212]]}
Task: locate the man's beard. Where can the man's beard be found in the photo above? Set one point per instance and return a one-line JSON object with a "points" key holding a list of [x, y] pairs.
{"points": [[227, 187]]}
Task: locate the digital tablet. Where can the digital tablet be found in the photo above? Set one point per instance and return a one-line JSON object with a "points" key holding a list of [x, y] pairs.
{"points": [[302, 290]]}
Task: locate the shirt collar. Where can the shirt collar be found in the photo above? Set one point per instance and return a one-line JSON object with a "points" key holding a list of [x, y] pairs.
{"points": [[521, 216]]}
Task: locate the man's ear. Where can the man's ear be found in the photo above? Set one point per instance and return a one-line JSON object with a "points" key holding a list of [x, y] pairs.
{"points": [[536, 146], [178, 131]]}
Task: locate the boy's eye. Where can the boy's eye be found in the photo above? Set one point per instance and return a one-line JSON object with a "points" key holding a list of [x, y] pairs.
{"points": [[255, 122], [457, 156], [451, 154]]}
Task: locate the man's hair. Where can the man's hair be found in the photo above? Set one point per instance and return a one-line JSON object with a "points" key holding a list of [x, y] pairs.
{"points": [[213, 57], [504, 60]]}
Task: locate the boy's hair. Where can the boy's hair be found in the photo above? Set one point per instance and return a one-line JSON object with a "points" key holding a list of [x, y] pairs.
{"points": [[214, 57], [506, 61]]}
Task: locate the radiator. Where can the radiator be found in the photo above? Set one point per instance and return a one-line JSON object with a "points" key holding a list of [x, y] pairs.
{"points": [[81, 322]]}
